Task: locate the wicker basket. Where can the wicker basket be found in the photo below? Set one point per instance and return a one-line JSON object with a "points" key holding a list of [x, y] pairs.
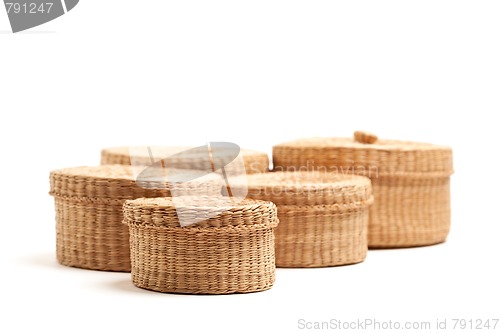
{"points": [[411, 183], [323, 217], [254, 161], [89, 200], [229, 253]]}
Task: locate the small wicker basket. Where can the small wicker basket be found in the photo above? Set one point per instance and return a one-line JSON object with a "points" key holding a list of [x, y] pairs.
{"points": [[411, 182], [254, 161], [88, 202], [323, 217], [232, 252]]}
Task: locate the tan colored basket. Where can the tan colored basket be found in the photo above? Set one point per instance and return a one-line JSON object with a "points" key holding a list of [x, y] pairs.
{"points": [[323, 217], [89, 200], [411, 182], [229, 253], [255, 161]]}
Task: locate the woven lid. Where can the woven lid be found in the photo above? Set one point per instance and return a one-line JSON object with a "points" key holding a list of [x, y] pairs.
{"points": [[364, 154], [118, 182], [310, 188], [204, 212], [255, 161]]}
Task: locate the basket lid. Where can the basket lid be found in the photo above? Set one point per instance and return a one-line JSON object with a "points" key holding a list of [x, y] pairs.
{"points": [[310, 188], [364, 154], [118, 182], [204, 212], [192, 158]]}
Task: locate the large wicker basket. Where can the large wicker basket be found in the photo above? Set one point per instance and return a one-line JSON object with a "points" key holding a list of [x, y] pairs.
{"points": [[254, 161], [411, 182], [323, 217], [88, 202], [232, 252]]}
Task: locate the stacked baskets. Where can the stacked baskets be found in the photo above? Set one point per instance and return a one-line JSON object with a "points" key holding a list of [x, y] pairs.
{"points": [[324, 204]]}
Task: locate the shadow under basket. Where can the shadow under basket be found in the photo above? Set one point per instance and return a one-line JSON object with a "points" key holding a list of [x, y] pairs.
{"points": [[323, 216], [89, 213], [223, 252], [411, 183]]}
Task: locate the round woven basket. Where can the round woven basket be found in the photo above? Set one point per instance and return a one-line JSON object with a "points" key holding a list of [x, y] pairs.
{"points": [[232, 252], [323, 217], [254, 161], [411, 182], [88, 202]]}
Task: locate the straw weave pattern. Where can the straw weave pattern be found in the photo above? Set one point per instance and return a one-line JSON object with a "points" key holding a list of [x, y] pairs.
{"points": [[229, 253], [411, 183], [88, 205], [323, 217]]}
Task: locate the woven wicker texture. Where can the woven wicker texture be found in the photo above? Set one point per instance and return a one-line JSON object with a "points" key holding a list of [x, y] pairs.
{"points": [[323, 217], [255, 161], [411, 182], [230, 253], [88, 202]]}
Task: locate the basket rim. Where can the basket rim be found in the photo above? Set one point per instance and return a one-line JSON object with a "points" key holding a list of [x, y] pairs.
{"points": [[298, 185], [350, 143], [365, 154], [124, 150], [162, 212], [210, 229], [116, 181], [114, 172]]}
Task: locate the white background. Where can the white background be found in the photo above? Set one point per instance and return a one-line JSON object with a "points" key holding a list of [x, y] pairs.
{"points": [[255, 73]]}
